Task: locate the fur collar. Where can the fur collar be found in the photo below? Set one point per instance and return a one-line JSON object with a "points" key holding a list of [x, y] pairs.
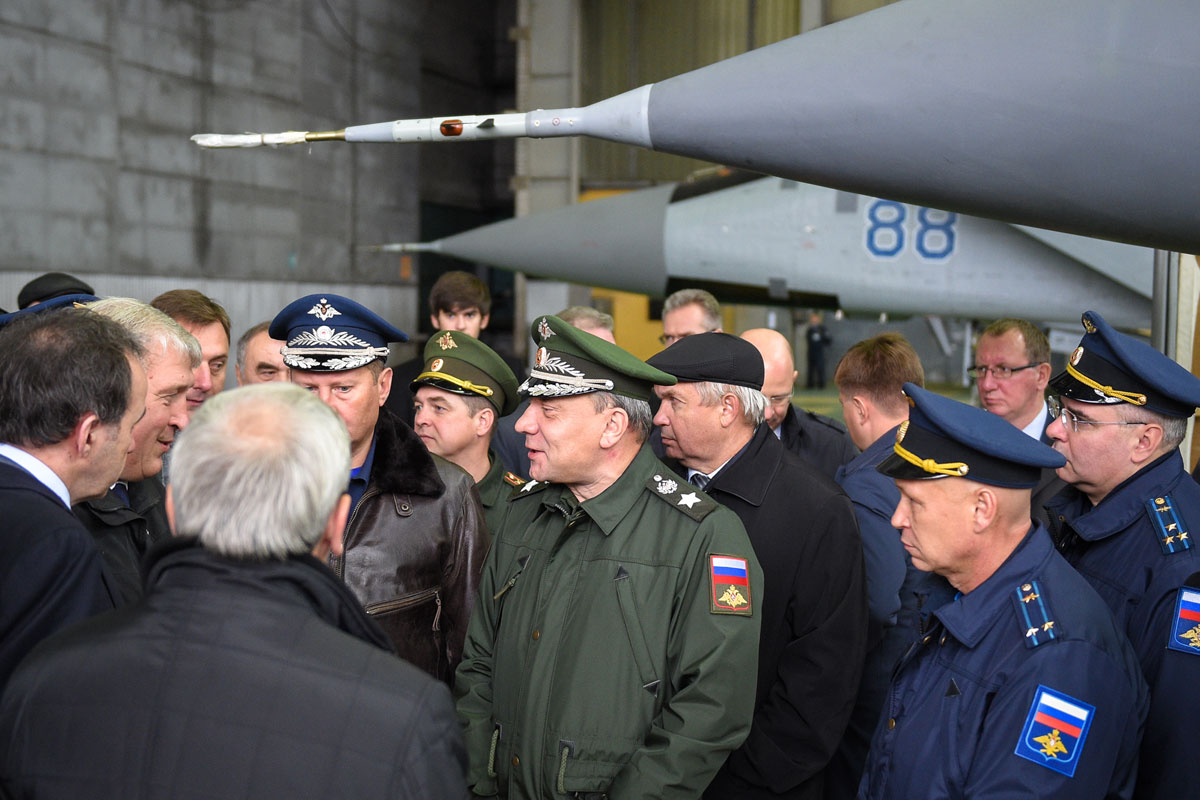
{"points": [[402, 463]]}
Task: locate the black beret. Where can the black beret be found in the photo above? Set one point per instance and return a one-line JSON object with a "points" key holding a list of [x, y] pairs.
{"points": [[715, 357]]}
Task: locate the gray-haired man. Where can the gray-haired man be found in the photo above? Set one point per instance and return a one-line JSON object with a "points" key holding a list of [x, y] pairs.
{"points": [[250, 669]]}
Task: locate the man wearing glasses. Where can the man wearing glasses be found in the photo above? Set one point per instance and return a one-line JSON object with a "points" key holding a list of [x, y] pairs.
{"points": [[1012, 368], [1127, 522], [688, 312]]}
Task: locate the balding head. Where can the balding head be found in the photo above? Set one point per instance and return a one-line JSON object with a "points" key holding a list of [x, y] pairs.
{"points": [[780, 371]]}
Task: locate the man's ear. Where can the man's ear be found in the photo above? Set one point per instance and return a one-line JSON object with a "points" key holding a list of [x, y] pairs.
{"points": [[83, 435], [1043, 376], [986, 508], [1145, 448], [615, 428], [731, 409], [433, 321], [385, 385], [483, 321], [170, 507], [330, 542], [484, 420]]}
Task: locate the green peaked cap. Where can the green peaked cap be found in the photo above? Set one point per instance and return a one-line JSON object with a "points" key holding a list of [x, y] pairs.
{"points": [[464, 365], [569, 362]]}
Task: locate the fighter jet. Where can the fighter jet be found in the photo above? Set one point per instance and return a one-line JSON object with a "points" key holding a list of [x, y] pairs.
{"points": [[770, 240], [1075, 115]]}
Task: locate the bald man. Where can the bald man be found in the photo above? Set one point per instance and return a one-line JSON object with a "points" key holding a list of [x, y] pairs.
{"points": [[819, 440]]}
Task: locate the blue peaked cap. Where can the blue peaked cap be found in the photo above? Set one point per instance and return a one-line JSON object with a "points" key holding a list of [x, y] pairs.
{"points": [[61, 301], [1109, 367], [331, 333], [946, 438]]}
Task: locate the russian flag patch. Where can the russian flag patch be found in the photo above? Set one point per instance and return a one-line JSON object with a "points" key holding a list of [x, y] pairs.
{"points": [[1055, 731], [1185, 632], [730, 581]]}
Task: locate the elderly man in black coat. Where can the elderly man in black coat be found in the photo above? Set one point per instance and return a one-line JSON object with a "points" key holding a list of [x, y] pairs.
{"points": [[248, 669], [802, 527]]}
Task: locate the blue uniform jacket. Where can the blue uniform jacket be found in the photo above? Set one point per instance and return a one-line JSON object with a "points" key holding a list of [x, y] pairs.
{"points": [[1121, 548], [1000, 697]]}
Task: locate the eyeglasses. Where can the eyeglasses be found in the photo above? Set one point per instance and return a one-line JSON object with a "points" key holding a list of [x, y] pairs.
{"points": [[1072, 421], [999, 373], [780, 399], [664, 339]]}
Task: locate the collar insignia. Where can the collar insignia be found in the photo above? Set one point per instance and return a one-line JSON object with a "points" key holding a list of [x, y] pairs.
{"points": [[323, 311], [446, 341]]}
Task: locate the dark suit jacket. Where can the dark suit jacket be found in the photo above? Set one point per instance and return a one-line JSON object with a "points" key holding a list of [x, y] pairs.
{"points": [[125, 532], [821, 441], [50, 571], [814, 619]]}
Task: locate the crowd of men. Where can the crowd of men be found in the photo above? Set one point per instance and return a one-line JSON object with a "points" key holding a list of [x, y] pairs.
{"points": [[607, 577]]}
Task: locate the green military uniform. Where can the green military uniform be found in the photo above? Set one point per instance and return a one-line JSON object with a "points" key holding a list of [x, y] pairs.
{"points": [[458, 363], [614, 644], [494, 491]]}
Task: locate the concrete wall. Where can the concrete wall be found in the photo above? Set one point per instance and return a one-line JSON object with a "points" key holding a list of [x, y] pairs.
{"points": [[98, 99]]}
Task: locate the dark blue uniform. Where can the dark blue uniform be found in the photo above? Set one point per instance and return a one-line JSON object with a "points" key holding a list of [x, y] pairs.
{"points": [[1022, 688], [1121, 547]]}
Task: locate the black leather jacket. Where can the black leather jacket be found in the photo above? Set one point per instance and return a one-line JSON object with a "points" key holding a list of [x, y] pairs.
{"points": [[414, 549]]}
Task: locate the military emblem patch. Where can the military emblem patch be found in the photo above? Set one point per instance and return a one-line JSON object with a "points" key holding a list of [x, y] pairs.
{"points": [[544, 329], [1055, 731], [1078, 354], [1185, 631], [1167, 526], [446, 341], [323, 310], [436, 365], [540, 357], [730, 579]]}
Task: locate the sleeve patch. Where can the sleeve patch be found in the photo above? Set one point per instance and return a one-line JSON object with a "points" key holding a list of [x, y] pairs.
{"points": [[1033, 615], [1055, 731], [1185, 630], [729, 577], [1167, 525]]}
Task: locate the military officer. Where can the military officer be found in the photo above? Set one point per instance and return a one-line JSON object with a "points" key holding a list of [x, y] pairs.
{"points": [[613, 648], [1126, 523], [459, 396], [999, 698]]}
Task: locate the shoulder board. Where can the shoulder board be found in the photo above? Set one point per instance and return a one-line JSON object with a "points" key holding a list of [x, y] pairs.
{"points": [[512, 479], [1034, 616], [1185, 625], [526, 488], [681, 496], [1167, 525]]}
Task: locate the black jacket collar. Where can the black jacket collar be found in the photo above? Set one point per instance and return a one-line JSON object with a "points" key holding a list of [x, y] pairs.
{"points": [[402, 465]]}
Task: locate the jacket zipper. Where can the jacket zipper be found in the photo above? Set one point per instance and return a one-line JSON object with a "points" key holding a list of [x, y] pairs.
{"points": [[341, 561], [409, 600]]}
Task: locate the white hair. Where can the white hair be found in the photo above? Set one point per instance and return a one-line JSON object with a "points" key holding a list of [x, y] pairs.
{"points": [[1174, 428], [641, 420], [752, 401], [152, 329], [258, 471]]}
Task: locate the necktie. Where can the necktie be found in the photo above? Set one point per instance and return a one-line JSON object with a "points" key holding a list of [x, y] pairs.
{"points": [[699, 480]]}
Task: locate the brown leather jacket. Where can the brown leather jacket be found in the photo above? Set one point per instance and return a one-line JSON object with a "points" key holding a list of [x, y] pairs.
{"points": [[414, 549]]}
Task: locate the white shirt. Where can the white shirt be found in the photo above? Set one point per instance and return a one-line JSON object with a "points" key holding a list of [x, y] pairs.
{"points": [[694, 472], [1038, 425], [35, 467]]}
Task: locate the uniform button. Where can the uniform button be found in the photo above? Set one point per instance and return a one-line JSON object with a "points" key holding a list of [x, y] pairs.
{"points": [[891, 725], [516, 761], [536, 634]]}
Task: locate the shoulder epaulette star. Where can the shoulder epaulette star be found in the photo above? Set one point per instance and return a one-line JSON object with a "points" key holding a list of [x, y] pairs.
{"points": [[1167, 525], [681, 496], [1033, 614], [526, 488], [512, 479]]}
